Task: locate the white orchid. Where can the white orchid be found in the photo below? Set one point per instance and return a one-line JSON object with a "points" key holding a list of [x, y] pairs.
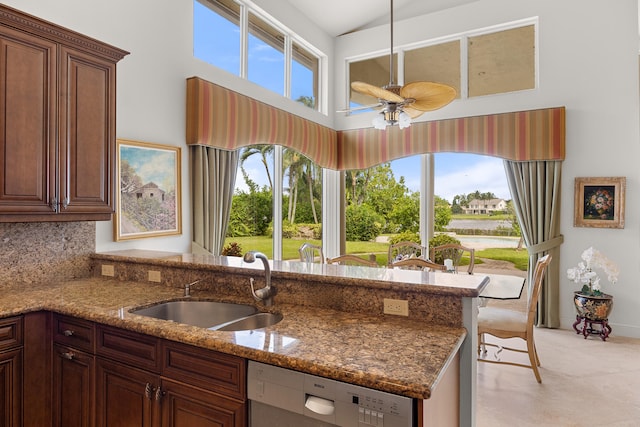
{"points": [[585, 275]]}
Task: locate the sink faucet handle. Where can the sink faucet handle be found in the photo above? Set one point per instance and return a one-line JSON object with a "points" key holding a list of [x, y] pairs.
{"points": [[187, 287], [253, 291]]}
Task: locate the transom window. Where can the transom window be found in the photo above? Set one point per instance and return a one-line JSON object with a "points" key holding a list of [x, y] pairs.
{"points": [[230, 35]]}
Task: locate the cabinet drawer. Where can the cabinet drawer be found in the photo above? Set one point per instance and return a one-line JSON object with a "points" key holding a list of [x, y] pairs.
{"points": [[74, 332], [10, 332], [131, 348], [207, 369]]}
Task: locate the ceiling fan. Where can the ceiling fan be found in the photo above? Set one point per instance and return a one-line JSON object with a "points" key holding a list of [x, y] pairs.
{"points": [[400, 104]]}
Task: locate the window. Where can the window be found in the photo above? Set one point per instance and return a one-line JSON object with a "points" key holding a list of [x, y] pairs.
{"points": [[274, 58], [502, 62], [216, 34], [496, 61]]}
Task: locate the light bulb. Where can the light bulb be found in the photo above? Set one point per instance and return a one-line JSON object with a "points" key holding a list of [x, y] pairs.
{"points": [[404, 121], [378, 122]]}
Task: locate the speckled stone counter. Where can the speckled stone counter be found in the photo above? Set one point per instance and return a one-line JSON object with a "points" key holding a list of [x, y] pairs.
{"points": [[397, 355]]}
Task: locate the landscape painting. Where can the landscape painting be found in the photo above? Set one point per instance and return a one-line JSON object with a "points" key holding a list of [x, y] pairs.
{"points": [[148, 202]]}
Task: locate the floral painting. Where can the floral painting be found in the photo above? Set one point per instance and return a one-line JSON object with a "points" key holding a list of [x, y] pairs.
{"points": [[599, 202], [149, 190]]}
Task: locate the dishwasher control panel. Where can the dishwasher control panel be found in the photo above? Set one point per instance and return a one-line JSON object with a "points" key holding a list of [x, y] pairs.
{"points": [[333, 402]]}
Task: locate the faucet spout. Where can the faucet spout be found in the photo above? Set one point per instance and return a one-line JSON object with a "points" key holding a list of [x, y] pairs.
{"points": [[267, 293]]}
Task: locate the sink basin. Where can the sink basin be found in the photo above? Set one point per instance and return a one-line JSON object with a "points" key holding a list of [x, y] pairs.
{"points": [[222, 316], [255, 321], [204, 314]]}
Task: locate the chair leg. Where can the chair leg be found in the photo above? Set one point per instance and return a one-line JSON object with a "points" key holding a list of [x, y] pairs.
{"points": [[533, 358]]}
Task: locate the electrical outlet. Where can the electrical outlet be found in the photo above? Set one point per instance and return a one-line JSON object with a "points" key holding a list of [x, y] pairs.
{"points": [[108, 270], [399, 307], [154, 276]]}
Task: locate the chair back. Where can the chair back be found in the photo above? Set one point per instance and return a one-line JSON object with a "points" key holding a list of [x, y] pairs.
{"points": [[311, 253], [416, 264], [534, 293], [349, 259], [453, 252], [405, 250]]}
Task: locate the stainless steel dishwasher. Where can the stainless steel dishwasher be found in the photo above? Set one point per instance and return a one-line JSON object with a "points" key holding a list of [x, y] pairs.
{"points": [[281, 397]]}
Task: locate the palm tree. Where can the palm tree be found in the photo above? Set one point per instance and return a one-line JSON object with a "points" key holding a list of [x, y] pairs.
{"points": [[265, 152]]}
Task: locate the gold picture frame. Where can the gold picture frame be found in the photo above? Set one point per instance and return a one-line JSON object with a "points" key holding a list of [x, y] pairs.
{"points": [[148, 195], [599, 202]]}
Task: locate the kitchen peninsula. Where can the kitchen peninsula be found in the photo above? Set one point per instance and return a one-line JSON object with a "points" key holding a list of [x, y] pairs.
{"points": [[333, 324]]}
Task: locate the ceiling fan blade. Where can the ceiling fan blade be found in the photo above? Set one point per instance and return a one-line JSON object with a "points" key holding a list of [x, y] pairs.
{"points": [[412, 112], [376, 91], [428, 96], [362, 107]]}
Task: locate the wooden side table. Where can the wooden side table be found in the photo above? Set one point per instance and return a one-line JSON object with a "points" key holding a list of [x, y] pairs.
{"points": [[585, 327]]}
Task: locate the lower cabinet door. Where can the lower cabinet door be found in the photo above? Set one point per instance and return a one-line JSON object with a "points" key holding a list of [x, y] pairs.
{"points": [[11, 388], [126, 396], [73, 387], [186, 406]]}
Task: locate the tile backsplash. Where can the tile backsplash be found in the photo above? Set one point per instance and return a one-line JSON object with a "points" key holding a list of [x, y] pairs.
{"points": [[45, 251]]}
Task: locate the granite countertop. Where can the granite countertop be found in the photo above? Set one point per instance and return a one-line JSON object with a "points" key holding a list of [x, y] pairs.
{"points": [[387, 353]]}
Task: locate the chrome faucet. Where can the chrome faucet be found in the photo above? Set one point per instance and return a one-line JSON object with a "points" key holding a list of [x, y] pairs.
{"points": [[267, 293]]}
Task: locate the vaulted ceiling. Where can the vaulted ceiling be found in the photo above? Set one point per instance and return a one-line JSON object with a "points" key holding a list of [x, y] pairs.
{"points": [[338, 17]]}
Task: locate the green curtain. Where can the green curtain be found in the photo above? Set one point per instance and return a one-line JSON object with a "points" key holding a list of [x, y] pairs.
{"points": [[535, 189], [213, 178]]}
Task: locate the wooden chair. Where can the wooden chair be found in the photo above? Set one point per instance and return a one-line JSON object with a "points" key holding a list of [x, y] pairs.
{"points": [[453, 252], [417, 264], [349, 259], [405, 250], [311, 253], [505, 323]]}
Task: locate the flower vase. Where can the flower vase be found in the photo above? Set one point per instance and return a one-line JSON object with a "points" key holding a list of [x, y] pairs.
{"points": [[593, 307]]}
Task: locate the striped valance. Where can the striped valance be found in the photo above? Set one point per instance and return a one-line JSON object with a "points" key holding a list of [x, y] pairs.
{"points": [[519, 136], [225, 119]]}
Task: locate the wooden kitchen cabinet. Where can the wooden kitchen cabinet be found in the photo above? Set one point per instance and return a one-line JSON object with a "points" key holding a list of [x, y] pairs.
{"points": [[11, 341], [145, 381], [57, 150], [73, 372]]}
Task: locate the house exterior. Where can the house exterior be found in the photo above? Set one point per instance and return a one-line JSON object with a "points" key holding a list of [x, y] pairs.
{"points": [[150, 191], [480, 207], [571, 53]]}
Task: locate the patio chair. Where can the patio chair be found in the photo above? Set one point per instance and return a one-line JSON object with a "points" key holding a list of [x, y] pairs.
{"points": [[417, 264], [405, 250], [505, 323], [349, 259], [453, 252]]}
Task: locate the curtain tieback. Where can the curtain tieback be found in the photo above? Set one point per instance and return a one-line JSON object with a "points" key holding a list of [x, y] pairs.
{"points": [[546, 245]]}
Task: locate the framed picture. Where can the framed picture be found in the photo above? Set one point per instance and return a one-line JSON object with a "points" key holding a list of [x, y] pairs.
{"points": [[599, 202], [148, 199]]}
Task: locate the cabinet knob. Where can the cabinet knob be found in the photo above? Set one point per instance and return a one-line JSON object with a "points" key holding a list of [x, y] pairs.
{"points": [[67, 332], [68, 355], [159, 394], [53, 204]]}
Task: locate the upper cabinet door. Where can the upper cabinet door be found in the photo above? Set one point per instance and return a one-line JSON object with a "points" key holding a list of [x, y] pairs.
{"points": [[28, 79], [86, 133]]}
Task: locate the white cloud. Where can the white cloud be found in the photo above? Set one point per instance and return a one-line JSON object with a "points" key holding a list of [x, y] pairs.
{"points": [[487, 175]]}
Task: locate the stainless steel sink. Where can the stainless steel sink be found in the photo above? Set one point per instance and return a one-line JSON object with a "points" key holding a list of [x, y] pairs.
{"points": [[211, 314], [255, 321]]}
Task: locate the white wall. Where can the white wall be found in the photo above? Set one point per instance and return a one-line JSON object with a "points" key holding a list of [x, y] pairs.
{"points": [[151, 81], [588, 58]]}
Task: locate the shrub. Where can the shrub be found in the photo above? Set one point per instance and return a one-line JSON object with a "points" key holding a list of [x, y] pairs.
{"points": [[441, 239], [362, 223], [405, 236], [232, 249]]}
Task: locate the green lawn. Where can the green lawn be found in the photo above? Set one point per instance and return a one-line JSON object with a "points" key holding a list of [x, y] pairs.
{"points": [[290, 250]]}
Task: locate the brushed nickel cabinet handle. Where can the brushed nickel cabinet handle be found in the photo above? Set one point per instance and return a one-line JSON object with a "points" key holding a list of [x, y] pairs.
{"points": [[68, 355], [159, 394], [148, 391], [67, 332]]}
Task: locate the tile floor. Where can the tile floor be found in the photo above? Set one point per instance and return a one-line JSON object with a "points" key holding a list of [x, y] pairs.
{"points": [[584, 383]]}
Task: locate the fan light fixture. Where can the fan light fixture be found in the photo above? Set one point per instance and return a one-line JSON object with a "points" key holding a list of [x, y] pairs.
{"points": [[400, 104]]}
